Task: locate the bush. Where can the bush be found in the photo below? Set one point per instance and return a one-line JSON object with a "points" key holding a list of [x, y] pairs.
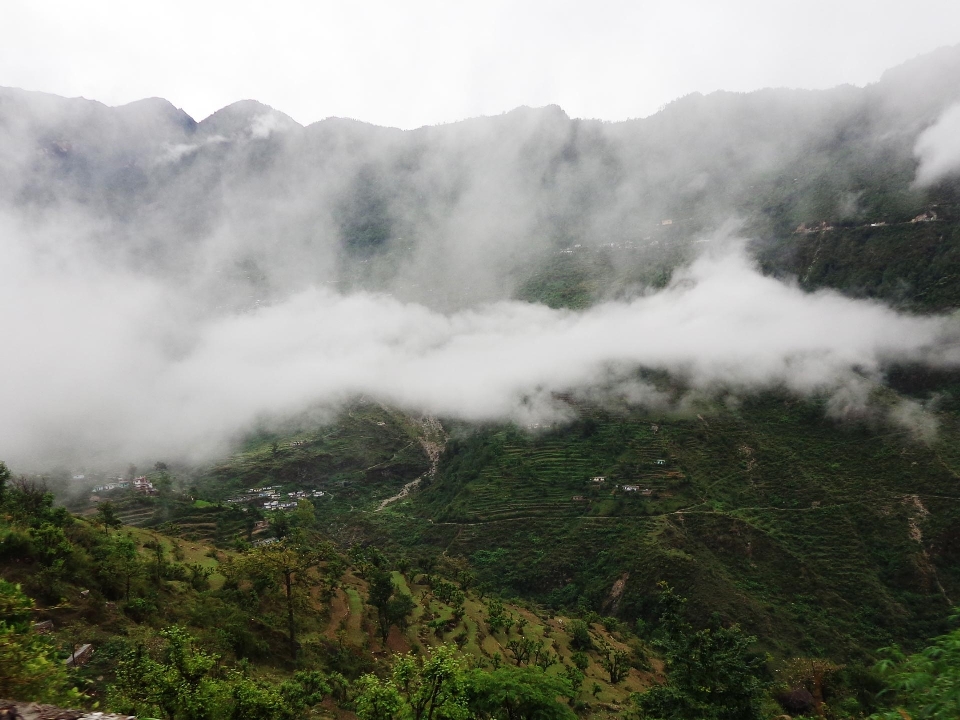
{"points": [[139, 609], [29, 667], [580, 636]]}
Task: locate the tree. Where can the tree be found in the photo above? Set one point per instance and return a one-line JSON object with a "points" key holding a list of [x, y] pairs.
{"points": [[521, 648], [159, 560], [280, 524], [181, 681], [580, 636], [581, 660], [616, 662], [496, 617], [400, 608], [290, 564], [377, 699], [178, 686], [393, 606], [419, 689], [50, 544], [925, 685], [122, 562], [29, 667], [107, 516], [304, 516], [712, 674], [518, 694]]}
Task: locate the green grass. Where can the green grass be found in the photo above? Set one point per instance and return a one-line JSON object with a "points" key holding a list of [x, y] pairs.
{"points": [[772, 515]]}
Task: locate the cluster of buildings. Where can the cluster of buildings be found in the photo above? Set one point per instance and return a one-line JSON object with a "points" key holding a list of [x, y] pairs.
{"points": [[122, 485], [140, 485], [645, 491], [272, 498], [144, 486], [277, 505]]}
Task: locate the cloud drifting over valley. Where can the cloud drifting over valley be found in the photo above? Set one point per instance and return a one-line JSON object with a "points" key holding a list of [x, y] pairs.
{"points": [[169, 285], [105, 364]]}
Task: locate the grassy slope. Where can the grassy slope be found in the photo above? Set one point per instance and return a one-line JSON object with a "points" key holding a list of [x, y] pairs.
{"points": [[769, 514], [800, 528], [346, 618]]}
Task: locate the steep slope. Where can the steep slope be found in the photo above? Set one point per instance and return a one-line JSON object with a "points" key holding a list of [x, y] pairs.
{"points": [[249, 203]]}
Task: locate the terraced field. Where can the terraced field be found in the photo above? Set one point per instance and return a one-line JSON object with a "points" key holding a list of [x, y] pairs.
{"points": [[816, 535]]}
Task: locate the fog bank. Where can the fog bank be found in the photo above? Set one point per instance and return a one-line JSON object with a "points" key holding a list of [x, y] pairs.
{"points": [[102, 364]]}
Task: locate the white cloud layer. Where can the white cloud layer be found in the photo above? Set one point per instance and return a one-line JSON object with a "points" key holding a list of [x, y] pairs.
{"points": [[104, 364], [938, 148]]}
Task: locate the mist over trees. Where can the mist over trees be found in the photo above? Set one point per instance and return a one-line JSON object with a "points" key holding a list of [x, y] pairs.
{"points": [[243, 269], [249, 206]]}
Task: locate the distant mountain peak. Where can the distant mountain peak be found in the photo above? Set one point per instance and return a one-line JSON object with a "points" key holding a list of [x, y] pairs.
{"points": [[247, 118]]}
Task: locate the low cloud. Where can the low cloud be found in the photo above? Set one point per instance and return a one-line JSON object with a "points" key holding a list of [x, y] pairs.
{"points": [[938, 148], [104, 364]]}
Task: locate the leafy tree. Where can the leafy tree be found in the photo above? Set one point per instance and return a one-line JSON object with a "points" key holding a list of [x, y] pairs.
{"points": [[107, 516], [183, 682], [580, 638], [256, 700], [514, 693], [280, 524], [399, 609], [304, 516], [616, 662], [309, 688], [419, 688], [496, 617], [521, 648], [179, 686], [581, 660], [925, 685], [810, 674], [122, 562], [159, 560], [4, 477], [29, 667], [712, 674], [377, 699], [31, 502], [393, 607], [292, 564], [575, 677], [50, 543], [199, 576]]}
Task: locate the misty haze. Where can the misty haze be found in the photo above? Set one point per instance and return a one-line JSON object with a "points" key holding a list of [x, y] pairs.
{"points": [[234, 271], [653, 418]]}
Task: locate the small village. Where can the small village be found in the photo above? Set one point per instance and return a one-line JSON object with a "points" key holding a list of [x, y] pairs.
{"points": [[139, 485], [600, 481], [271, 498]]}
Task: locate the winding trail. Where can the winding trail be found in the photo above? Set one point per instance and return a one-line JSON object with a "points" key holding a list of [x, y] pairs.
{"points": [[433, 441]]}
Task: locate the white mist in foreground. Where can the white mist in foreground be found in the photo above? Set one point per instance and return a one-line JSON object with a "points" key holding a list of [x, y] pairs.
{"points": [[938, 148], [99, 364]]}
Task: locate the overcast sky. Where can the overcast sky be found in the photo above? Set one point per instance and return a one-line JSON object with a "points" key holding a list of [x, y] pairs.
{"points": [[421, 62]]}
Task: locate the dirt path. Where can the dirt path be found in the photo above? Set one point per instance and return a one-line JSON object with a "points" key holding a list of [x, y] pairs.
{"points": [[433, 441]]}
